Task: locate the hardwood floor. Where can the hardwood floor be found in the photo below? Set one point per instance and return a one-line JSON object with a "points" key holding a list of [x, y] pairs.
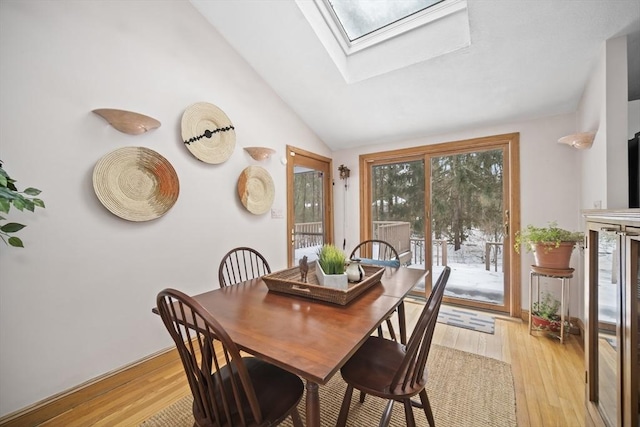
{"points": [[548, 379]]}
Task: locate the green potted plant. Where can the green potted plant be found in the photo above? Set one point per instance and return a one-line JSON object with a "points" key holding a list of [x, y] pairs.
{"points": [[21, 200], [544, 313], [330, 269], [551, 245]]}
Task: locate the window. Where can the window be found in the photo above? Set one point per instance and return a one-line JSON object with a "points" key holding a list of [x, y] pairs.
{"points": [[362, 17], [357, 33]]}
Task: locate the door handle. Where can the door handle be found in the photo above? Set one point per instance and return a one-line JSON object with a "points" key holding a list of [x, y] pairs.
{"points": [[506, 223]]}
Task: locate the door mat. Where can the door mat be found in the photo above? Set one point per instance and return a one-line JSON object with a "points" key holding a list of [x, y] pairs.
{"points": [[466, 319]]}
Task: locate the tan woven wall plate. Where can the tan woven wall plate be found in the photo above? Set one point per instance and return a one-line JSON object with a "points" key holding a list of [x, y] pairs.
{"points": [[256, 189], [136, 183], [208, 133]]}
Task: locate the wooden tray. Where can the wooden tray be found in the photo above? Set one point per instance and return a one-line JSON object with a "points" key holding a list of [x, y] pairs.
{"points": [[288, 282]]}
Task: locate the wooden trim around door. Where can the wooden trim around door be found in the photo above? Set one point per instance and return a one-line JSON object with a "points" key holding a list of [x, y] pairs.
{"points": [[298, 156], [510, 141]]}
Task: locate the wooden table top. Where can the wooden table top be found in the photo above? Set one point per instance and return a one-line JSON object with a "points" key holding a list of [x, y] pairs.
{"points": [[312, 339]]}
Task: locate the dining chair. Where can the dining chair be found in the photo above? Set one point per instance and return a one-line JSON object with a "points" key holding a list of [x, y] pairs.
{"points": [[394, 371], [228, 390], [378, 253], [241, 264]]}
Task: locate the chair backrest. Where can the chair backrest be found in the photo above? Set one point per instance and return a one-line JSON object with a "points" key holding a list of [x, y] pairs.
{"points": [[219, 398], [410, 374], [376, 252], [241, 264]]}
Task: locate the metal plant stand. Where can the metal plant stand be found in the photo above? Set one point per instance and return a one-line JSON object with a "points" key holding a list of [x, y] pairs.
{"points": [[559, 274]]}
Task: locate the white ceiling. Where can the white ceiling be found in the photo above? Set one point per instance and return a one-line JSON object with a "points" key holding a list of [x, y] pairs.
{"points": [[527, 59]]}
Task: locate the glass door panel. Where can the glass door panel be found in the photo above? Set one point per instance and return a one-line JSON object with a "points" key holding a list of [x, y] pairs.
{"points": [[397, 210], [308, 203], [608, 349], [467, 226]]}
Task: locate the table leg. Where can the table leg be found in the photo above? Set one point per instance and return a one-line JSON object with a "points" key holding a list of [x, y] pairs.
{"points": [[313, 405], [403, 323], [530, 300]]}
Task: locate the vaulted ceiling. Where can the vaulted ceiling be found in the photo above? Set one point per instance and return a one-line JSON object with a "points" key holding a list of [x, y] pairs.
{"points": [[526, 59]]}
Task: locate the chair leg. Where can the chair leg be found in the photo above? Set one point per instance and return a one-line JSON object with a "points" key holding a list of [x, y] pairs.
{"points": [[380, 334], [344, 409], [386, 415], [408, 413], [427, 408], [362, 395], [295, 417], [392, 332]]}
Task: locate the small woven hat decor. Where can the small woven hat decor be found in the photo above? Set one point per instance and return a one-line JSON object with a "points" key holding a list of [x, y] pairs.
{"points": [[256, 189], [136, 183], [208, 133]]}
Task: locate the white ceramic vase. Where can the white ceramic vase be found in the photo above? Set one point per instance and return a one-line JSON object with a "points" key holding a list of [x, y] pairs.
{"points": [[355, 272]]}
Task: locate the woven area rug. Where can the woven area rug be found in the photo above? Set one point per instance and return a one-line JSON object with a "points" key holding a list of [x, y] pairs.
{"points": [[464, 390], [466, 319]]}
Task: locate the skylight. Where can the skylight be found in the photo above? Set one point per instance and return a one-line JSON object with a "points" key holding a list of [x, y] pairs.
{"points": [[359, 18], [368, 38]]}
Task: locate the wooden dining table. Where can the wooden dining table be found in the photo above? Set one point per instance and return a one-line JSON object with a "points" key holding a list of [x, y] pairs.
{"points": [[309, 338]]}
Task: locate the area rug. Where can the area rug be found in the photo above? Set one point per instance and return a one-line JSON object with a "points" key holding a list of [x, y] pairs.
{"points": [[464, 390], [466, 319]]}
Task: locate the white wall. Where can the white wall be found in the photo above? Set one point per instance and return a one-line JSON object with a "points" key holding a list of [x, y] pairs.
{"points": [[549, 188], [76, 302], [604, 108], [617, 110], [591, 116]]}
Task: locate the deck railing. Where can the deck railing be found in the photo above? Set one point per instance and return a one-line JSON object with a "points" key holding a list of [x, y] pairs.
{"points": [[439, 251], [308, 234], [492, 257], [396, 233]]}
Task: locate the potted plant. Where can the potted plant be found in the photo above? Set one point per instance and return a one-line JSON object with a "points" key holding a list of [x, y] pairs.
{"points": [[544, 314], [551, 245], [21, 200], [331, 267]]}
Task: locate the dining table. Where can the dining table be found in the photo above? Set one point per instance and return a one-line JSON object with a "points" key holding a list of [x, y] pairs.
{"points": [[310, 338]]}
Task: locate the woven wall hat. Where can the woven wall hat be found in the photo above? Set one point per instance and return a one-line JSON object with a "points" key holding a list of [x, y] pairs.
{"points": [[256, 189], [208, 133], [136, 183]]}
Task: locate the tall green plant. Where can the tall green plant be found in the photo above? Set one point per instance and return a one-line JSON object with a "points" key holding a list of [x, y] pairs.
{"points": [[331, 259], [21, 200]]}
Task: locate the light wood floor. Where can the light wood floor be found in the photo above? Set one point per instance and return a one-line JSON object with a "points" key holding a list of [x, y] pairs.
{"points": [[548, 379]]}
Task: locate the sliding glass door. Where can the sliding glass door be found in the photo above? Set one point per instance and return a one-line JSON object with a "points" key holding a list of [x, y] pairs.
{"points": [[468, 225], [450, 204]]}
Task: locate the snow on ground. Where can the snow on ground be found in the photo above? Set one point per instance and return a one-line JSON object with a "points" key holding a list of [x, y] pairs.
{"points": [[467, 280], [470, 280]]}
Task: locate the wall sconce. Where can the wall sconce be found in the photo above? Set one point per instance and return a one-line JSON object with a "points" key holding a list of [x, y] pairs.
{"points": [[581, 141], [128, 121], [344, 172], [259, 153]]}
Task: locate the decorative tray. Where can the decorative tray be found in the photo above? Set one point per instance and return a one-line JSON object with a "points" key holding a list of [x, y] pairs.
{"points": [[288, 282]]}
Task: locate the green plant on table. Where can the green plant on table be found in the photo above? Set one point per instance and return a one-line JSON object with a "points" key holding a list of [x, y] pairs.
{"points": [[331, 259], [551, 236], [546, 308], [21, 200]]}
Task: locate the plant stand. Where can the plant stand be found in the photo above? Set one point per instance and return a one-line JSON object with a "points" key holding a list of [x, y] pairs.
{"points": [[563, 276]]}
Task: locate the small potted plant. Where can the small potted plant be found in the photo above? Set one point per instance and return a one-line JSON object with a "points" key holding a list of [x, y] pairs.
{"points": [[331, 267], [21, 200], [551, 245], [544, 314]]}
